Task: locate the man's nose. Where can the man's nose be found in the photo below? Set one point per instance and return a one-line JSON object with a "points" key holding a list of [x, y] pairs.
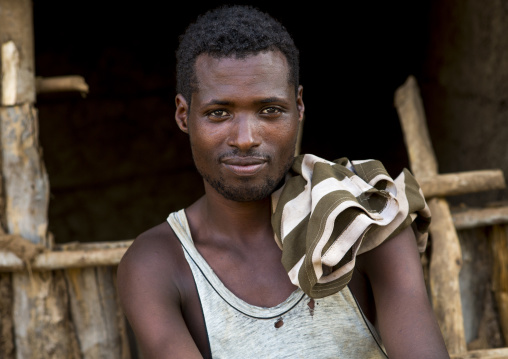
{"points": [[245, 133]]}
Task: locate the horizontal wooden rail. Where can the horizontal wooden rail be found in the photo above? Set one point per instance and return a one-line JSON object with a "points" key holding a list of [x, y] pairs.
{"points": [[479, 217], [61, 84], [107, 254], [80, 255], [453, 184], [498, 353]]}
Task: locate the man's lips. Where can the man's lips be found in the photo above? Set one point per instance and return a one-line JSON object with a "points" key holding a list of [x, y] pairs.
{"points": [[244, 166]]}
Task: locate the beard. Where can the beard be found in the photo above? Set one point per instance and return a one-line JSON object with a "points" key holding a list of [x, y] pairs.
{"points": [[247, 191]]}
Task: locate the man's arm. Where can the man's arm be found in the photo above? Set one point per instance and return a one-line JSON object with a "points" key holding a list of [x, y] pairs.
{"points": [[404, 315], [149, 290]]}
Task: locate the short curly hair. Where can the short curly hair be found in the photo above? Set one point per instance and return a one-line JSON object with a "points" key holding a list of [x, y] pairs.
{"points": [[231, 30]]}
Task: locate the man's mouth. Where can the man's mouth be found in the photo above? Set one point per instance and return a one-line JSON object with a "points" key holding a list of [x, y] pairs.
{"points": [[244, 166]]}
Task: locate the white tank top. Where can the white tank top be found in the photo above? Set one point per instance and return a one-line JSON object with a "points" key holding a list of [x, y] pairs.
{"points": [[299, 327]]}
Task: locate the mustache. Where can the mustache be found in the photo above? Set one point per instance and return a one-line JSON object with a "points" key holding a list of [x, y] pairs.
{"points": [[250, 153]]}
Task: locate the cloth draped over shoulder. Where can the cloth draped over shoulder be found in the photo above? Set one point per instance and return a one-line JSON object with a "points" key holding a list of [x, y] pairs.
{"points": [[327, 213]]}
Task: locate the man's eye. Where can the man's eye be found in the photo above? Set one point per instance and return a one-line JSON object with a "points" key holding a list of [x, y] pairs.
{"points": [[271, 111], [218, 113]]}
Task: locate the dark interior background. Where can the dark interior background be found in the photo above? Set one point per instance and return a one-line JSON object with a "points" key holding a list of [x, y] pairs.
{"points": [[118, 164]]}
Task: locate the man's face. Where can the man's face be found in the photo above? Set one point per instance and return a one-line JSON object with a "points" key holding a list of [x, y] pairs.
{"points": [[242, 124]]}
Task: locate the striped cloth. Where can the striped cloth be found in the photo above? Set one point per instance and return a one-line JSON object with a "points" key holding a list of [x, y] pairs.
{"points": [[328, 212]]}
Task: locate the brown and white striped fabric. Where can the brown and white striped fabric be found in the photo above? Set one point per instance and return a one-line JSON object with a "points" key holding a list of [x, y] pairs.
{"points": [[327, 213]]}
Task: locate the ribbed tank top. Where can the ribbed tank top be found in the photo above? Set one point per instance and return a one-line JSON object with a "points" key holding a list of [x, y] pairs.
{"points": [[299, 327]]}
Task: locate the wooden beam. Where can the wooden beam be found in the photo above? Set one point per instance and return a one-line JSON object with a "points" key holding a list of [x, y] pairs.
{"points": [[409, 106], [96, 313], [444, 268], [452, 184], [498, 353], [61, 84], [25, 179], [6, 320], [76, 246], [499, 250], [16, 38], [478, 217], [52, 260], [10, 64], [445, 261]]}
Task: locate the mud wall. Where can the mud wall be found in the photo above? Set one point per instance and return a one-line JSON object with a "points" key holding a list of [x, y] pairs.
{"points": [[464, 84], [465, 88]]}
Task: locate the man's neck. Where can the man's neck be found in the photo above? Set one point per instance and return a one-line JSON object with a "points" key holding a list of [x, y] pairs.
{"points": [[214, 216]]}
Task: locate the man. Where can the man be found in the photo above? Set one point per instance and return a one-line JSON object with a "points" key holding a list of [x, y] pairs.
{"points": [[213, 281]]}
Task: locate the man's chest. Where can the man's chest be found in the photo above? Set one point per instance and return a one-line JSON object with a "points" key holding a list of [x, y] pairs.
{"points": [[255, 275]]}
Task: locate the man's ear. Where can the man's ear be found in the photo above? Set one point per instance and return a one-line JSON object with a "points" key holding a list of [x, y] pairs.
{"points": [[301, 113], [299, 103], [181, 113]]}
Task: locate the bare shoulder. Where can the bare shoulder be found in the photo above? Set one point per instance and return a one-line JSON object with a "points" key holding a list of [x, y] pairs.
{"points": [[402, 307], [150, 286], [148, 270], [153, 252], [154, 249]]}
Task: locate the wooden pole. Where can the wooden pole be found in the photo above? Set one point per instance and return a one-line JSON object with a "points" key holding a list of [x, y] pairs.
{"points": [[6, 293], [6, 324], [97, 314], [444, 267], [42, 327], [499, 246], [25, 180], [412, 118], [446, 257], [16, 40]]}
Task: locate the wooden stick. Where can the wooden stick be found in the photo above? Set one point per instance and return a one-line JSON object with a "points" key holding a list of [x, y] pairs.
{"points": [[96, 313], [6, 320], [51, 260], [499, 246], [478, 217], [445, 261], [43, 308], [409, 106], [93, 245], [25, 179], [453, 184], [9, 58], [16, 31], [8, 89], [498, 353], [445, 265], [61, 84]]}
